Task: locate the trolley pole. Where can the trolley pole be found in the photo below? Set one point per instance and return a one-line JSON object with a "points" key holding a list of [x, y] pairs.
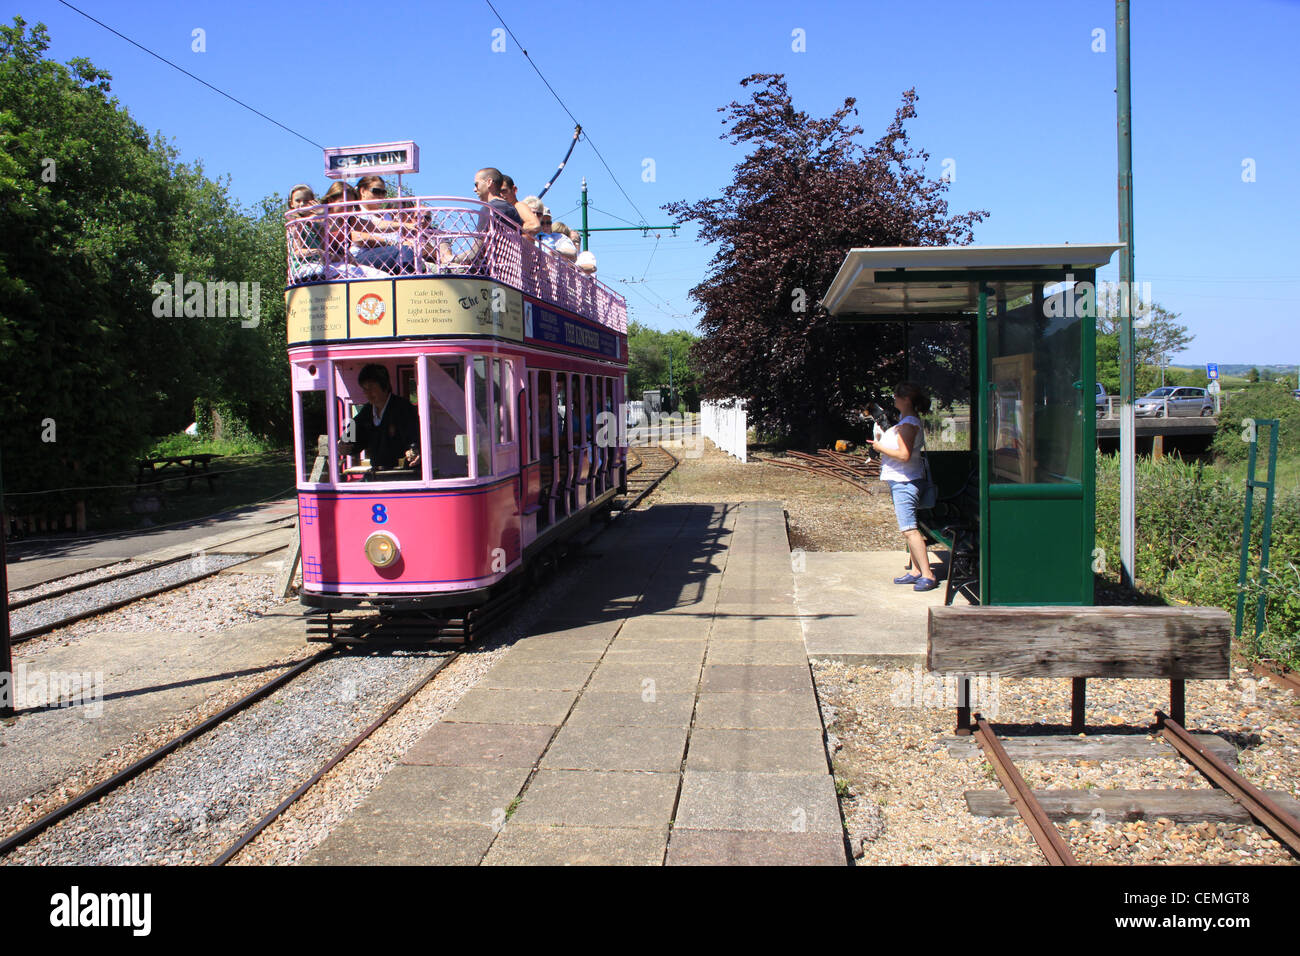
{"points": [[1127, 421]]}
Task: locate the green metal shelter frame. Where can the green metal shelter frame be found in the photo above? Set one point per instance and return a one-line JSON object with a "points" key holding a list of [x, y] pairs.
{"points": [[1033, 429]]}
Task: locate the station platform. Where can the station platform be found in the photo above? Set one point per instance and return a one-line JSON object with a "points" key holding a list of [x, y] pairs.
{"points": [[852, 611], [666, 715]]}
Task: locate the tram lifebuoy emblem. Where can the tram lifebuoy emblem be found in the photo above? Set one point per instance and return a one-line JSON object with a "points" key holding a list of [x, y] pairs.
{"points": [[371, 309]]}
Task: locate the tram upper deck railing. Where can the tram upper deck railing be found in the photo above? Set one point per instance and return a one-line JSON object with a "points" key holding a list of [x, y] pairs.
{"points": [[438, 236]]}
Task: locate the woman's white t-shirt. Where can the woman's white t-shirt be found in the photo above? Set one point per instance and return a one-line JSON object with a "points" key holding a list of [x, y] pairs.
{"points": [[891, 469]]}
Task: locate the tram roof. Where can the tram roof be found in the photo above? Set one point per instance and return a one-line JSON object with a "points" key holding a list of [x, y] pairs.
{"points": [[906, 280]]}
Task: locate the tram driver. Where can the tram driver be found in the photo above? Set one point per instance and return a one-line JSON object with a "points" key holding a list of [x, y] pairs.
{"points": [[387, 427]]}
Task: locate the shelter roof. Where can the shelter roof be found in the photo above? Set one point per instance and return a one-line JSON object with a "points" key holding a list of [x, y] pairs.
{"points": [[906, 280]]}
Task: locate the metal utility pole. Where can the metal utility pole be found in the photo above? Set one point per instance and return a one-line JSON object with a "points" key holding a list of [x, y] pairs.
{"points": [[6, 654], [1127, 421], [586, 232]]}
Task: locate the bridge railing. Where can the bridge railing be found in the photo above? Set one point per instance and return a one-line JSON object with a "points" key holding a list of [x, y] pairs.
{"points": [[438, 236]]}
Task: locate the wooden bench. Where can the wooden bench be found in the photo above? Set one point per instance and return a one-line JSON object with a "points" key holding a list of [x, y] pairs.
{"points": [[1176, 643], [153, 471], [954, 523]]}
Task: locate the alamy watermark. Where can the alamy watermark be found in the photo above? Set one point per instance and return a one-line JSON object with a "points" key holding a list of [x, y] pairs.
{"points": [[208, 300], [29, 689], [933, 689]]}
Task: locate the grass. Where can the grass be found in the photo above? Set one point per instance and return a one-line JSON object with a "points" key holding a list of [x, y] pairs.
{"points": [[243, 479], [182, 444]]}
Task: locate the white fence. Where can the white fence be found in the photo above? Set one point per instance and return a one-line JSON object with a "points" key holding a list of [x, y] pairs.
{"points": [[723, 423]]}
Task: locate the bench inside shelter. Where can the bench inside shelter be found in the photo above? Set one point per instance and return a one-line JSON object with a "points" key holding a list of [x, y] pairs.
{"points": [[1173, 643], [954, 520]]}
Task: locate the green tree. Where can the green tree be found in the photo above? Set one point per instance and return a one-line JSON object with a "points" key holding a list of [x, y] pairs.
{"points": [[96, 211], [649, 351], [1253, 376], [1157, 338]]}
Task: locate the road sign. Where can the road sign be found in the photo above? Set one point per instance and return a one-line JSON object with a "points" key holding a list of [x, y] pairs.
{"points": [[1212, 370], [1213, 388]]}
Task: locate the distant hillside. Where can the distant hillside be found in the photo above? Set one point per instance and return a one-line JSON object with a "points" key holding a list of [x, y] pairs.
{"points": [[1243, 369]]}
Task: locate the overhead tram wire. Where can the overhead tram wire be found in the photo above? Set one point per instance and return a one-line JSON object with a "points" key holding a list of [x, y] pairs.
{"points": [[182, 69], [586, 133]]}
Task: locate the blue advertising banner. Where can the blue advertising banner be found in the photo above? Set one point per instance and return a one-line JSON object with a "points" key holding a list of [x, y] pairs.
{"points": [[552, 328]]}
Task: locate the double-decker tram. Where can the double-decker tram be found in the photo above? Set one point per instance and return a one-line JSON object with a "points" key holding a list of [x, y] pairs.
{"points": [[455, 389]]}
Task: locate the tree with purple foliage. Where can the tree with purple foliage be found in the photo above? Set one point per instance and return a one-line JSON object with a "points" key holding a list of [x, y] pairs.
{"points": [[806, 194]]}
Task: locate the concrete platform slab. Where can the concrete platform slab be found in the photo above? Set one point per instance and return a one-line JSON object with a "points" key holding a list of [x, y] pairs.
{"points": [[659, 650], [539, 675], [428, 795], [738, 848], [779, 803], [648, 626], [747, 627], [529, 649], [597, 747], [757, 652], [751, 678], [794, 711], [766, 751], [664, 709], [523, 845], [361, 842], [852, 611], [596, 799], [480, 745], [485, 705], [640, 677]]}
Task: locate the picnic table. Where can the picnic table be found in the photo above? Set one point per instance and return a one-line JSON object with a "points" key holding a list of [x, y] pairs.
{"points": [[153, 471]]}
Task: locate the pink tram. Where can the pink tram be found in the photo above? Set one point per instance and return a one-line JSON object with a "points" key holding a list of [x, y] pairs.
{"points": [[515, 364]]}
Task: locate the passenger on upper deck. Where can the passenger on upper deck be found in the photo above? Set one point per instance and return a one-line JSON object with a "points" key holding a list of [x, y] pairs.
{"points": [[337, 235], [559, 241], [531, 224], [376, 236], [387, 427], [487, 186], [306, 244]]}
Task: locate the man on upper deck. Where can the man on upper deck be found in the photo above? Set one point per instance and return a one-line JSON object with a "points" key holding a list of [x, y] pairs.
{"points": [[487, 186]]}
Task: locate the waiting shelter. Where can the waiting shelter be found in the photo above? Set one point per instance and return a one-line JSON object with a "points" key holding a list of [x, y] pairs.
{"points": [[1029, 466]]}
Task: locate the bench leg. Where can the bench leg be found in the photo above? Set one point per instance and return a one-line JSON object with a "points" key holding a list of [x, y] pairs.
{"points": [[1078, 701], [1178, 702]]}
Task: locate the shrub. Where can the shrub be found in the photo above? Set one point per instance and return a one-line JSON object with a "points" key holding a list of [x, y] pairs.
{"points": [[1266, 400], [1189, 524]]}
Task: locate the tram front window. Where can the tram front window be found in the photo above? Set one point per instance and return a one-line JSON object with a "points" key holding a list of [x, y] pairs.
{"points": [[379, 425]]}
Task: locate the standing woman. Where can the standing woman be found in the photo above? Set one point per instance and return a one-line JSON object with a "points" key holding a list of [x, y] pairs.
{"points": [[902, 465]]}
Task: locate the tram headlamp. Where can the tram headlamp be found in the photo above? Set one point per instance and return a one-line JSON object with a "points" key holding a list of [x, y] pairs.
{"points": [[382, 549]]}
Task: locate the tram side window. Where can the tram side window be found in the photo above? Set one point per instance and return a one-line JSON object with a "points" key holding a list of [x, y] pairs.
{"points": [[482, 416], [447, 423], [500, 401], [313, 437]]}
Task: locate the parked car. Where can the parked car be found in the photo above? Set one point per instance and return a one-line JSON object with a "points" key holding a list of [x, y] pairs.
{"points": [[1103, 401], [1174, 401]]}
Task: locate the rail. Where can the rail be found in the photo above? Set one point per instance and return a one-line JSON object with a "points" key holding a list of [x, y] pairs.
{"points": [[443, 237]]}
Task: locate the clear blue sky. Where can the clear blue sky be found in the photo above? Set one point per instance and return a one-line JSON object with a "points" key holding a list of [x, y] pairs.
{"points": [[1012, 92]]}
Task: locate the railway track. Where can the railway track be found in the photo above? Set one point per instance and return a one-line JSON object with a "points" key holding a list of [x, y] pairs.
{"points": [[113, 591], [1264, 810], [653, 464], [348, 638]]}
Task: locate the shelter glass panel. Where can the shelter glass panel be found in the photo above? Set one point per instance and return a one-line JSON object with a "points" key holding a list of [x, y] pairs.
{"points": [[1035, 408]]}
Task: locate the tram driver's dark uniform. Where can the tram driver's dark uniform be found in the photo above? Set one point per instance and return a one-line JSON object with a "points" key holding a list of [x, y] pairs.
{"points": [[386, 444]]}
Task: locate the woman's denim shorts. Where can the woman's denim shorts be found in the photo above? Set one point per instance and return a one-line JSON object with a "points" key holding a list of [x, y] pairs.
{"points": [[905, 495]]}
